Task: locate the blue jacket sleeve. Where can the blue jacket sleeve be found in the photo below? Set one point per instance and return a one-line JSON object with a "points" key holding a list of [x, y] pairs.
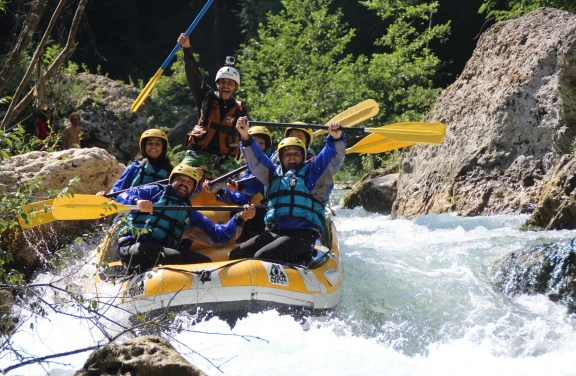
{"points": [[329, 161], [217, 232], [151, 192], [258, 162], [126, 178]]}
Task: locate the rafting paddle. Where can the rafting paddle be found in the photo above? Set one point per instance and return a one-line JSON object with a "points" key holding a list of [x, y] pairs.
{"points": [[40, 213], [422, 133], [36, 214], [354, 115], [148, 88], [376, 143], [82, 207]]}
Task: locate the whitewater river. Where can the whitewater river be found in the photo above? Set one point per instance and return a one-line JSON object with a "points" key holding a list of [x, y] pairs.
{"points": [[417, 300]]}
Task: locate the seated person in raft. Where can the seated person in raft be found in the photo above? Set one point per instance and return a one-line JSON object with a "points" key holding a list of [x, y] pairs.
{"points": [[152, 237], [297, 192]]}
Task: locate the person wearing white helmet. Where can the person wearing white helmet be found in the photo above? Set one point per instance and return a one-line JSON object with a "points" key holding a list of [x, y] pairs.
{"points": [[297, 193], [214, 141], [151, 236]]}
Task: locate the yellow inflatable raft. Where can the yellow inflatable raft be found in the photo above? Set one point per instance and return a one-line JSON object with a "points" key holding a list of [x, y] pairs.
{"points": [[245, 284]]}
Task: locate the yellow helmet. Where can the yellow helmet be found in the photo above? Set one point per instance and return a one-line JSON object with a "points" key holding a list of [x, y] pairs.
{"points": [[154, 133], [262, 132], [185, 170], [292, 141], [307, 131]]}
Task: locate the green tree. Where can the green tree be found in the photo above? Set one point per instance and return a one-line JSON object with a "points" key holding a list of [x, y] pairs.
{"points": [[505, 10], [400, 74], [296, 69], [171, 98]]}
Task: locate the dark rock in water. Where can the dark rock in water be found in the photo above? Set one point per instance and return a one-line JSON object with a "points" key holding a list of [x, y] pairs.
{"points": [[374, 195], [548, 269], [375, 192], [142, 356]]}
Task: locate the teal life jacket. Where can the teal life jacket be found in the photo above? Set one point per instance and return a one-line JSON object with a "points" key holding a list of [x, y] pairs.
{"points": [[289, 197], [148, 174], [163, 226]]}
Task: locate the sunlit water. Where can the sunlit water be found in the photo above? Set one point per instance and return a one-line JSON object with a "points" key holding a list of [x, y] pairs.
{"points": [[417, 300]]}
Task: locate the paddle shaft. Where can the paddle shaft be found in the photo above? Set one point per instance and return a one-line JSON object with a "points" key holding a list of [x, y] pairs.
{"points": [[187, 33], [227, 175], [186, 208], [311, 126]]}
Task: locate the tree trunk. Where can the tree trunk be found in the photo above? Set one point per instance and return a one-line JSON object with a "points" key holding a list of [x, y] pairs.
{"points": [[30, 24], [15, 110]]}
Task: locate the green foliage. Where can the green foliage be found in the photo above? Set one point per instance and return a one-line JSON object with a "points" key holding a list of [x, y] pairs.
{"points": [[176, 154], [64, 89], [515, 8], [14, 80], [296, 69], [372, 162], [50, 53], [171, 99], [13, 142], [400, 77]]}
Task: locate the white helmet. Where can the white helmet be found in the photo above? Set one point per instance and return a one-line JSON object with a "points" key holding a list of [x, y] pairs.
{"points": [[230, 73]]}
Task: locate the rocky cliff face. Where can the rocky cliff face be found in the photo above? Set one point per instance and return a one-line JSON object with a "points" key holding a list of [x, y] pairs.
{"points": [[510, 116], [106, 119]]}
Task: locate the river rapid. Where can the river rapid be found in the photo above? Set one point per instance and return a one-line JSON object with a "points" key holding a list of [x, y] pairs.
{"points": [[417, 300]]}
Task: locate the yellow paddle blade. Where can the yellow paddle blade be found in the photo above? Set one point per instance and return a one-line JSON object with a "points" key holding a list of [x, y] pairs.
{"points": [[146, 91], [422, 133], [36, 214], [376, 143], [80, 207], [354, 115]]}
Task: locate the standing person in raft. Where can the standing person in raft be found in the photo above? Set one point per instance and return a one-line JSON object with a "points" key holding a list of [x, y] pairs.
{"points": [[150, 165], [154, 237], [214, 142], [297, 192]]}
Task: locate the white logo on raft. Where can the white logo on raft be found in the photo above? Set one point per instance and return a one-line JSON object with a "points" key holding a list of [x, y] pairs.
{"points": [[277, 275]]}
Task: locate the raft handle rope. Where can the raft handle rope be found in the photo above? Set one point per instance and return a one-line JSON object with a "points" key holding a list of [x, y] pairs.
{"points": [[205, 274]]}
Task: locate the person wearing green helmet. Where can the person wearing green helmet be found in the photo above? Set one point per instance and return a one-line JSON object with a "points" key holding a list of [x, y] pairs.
{"points": [[297, 193], [151, 237], [149, 166]]}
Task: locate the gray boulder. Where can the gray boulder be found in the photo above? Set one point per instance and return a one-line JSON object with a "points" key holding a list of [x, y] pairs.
{"points": [[106, 119], [142, 356], [509, 119], [374, 194], [96, 169]]}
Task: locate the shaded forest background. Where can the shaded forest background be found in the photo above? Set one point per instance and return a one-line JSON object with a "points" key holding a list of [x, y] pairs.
{"points": [[130, 39]]}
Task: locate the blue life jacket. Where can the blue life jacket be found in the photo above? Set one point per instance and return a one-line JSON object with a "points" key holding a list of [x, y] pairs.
{"points": [[147, 174], [164, 226], [289, 197]]}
